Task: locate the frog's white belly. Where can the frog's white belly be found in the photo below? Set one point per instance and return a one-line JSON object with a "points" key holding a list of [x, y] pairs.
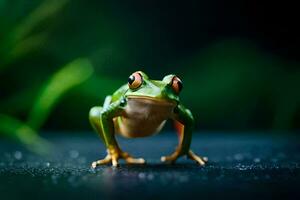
{"points": [[143, 117]]}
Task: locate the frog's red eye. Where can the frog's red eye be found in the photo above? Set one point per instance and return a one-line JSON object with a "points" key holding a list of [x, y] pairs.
{"points": [[176, 84], [135, 80]]}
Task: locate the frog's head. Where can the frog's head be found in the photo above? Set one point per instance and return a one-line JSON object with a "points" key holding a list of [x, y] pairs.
{"points": [[166, 90]]}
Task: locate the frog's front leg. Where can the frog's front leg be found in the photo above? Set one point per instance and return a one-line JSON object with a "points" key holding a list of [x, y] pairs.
{"points": [[101, 119], [185, 118]]}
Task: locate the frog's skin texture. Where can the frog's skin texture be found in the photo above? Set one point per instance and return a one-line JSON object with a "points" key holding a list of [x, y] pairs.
{"points": [[139, 109]]}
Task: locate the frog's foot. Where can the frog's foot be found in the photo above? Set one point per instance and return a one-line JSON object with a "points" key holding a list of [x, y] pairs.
{"points": [[131, 160], [198, 159], [106, 160], [113, 156], [171, 158], [174, 156]]}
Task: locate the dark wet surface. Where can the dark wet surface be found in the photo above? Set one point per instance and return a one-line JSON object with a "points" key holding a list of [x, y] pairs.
{"points": [[241, 166]]}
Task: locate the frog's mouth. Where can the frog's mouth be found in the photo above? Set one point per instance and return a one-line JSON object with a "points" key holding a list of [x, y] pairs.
{"points": [[152, 100]]}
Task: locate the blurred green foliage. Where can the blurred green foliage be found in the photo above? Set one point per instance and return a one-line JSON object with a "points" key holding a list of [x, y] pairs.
{"points": [[84, 51], [19, 42]]}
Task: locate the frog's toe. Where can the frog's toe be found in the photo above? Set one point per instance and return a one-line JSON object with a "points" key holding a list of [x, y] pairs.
{"points": [[131, 160], [168, 159], [164, 158], [115, 162], [94, 165], [106, 160], [171, 158], [198, 159]]}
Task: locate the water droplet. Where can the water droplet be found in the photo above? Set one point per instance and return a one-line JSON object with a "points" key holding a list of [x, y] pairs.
{"points": [[18, 155], [241, 167], [47, 164], [142, 175]]}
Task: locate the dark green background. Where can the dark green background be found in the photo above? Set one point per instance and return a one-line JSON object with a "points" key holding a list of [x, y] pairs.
{"points": [[239, 60]]}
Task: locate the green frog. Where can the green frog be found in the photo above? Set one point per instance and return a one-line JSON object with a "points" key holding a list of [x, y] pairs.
{"points": [[140, 108]]}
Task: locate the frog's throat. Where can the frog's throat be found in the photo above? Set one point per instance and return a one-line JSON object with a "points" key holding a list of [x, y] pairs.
{"points": [[153, 100]]}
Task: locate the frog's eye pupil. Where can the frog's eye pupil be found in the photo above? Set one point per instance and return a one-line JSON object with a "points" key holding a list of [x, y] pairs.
{"points": [[179, 85], [131, 79], [135, 80]]}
